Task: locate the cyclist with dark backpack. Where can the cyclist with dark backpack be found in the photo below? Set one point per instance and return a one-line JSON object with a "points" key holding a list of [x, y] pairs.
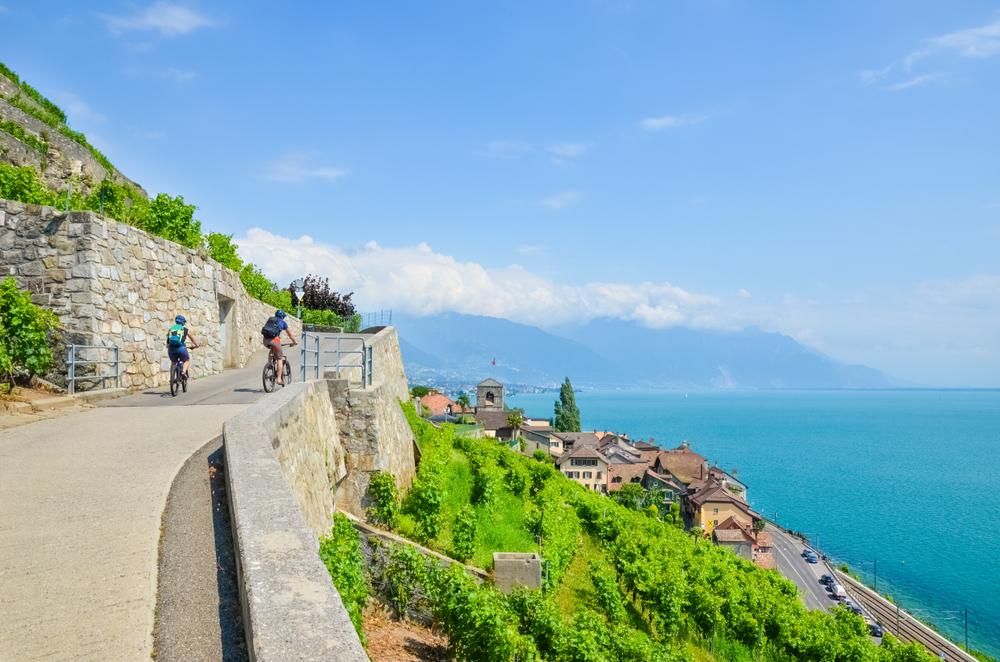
{"points": [[272, 337], [176, 338]]}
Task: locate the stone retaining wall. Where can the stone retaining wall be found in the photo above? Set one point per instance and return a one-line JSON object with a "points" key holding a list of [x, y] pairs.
{"points": [[113, 285], [293, 460]]}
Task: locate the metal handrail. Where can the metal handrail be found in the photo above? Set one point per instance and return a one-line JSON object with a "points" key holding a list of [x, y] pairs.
{"points": [[366, 362], [305, 350], [72, 362]]}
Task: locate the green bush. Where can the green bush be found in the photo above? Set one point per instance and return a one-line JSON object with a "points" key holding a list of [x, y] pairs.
{"points": [[406, 570], [386, 495], [50, 107], [11, 76], [171, 219], [341, 554], [23, 328], [16, 130], [464, 532], [22, 184], [606, 592]]}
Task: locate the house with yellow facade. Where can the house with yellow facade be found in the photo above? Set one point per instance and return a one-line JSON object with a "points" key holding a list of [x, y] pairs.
{"points": [[711, 501], [587, 466]]}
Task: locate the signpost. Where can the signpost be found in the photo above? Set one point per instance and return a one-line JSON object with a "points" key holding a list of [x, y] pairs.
{"points": [[299, 293]]}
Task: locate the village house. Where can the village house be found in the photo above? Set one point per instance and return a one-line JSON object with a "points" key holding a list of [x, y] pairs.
{"points": [[711, 501], [587, 466], [682, 463], [439, 404]]}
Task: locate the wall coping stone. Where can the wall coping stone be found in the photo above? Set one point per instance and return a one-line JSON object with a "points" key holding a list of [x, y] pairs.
{"points": [[291, 609]]}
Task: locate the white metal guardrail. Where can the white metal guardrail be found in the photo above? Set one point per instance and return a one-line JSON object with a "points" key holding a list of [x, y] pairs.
{"points": [[343, 357], [73, 361]]}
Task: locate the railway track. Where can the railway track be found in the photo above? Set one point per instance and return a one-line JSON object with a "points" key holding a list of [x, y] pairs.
{"points": [[901, 624]]}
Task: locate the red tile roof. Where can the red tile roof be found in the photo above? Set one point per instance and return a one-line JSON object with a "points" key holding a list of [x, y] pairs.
{"points": [[764, 539], [765, 561], [437, 404], [627, 472], [682, 462]]}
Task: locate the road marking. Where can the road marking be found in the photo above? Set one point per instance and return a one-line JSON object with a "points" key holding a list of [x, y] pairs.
{"points": [[808, 588]]}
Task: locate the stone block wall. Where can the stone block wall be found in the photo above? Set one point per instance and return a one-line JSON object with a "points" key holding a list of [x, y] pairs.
{"points": [[113, 285]]}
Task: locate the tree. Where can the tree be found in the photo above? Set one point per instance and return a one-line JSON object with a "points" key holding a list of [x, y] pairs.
{"points": [[318, 296], [632, 496], [514, 422], [540, 455], [419, 391], [567, 417], [222, 249], [463, 403]]}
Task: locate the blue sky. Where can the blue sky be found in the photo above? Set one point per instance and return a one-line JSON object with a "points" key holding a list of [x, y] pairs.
{"points": [[827, 170]]}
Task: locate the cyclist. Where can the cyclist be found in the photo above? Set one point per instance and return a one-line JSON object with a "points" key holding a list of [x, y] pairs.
{"points": [[176, 347], [272, 337]]}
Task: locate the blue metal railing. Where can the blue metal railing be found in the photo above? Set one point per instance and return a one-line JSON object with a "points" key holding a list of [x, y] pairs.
{"points": [[73, 361]]}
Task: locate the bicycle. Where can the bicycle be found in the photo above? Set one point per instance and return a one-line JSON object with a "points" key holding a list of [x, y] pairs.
{"points": [[178, 380], [271, 371]]}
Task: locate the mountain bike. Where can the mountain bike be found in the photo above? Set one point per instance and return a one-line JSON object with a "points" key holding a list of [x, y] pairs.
{"points": [[178, 380], [271, 371]]}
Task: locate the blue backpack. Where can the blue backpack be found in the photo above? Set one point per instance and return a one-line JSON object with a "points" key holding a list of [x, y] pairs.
{"points": [[176, 335]]}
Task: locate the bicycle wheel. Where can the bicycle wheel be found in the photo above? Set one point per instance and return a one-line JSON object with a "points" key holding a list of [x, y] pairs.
{"points": [[175, 378], [270, 376], [286, 374], [184, 381]]}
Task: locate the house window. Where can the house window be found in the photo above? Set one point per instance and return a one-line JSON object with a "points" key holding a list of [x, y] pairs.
{"points": [[568, 474], [586, 474], [716, 511], [599, 475], [616, 479], [489, 397], [635, 479], [715, 523], [576, 474]]}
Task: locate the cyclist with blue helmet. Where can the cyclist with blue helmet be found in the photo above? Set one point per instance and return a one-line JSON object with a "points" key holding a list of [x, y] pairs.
{"points": [[176, 343], [272, 337]]}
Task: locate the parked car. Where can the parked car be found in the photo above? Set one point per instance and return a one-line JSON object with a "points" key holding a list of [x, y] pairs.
{"points": [[807, 552], [838, 591], [857, 610], [876, 630], [826, 579]]}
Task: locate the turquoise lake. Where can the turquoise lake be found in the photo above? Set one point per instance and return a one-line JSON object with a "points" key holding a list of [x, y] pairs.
{"points": [[911, 478]]}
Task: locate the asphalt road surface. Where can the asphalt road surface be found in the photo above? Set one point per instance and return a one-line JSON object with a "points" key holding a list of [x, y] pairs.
{"points": [[791, 564], [241, 386]]}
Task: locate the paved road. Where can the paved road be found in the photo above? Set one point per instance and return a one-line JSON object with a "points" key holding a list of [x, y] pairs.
{"points": [[82, 498], [791, 564]]}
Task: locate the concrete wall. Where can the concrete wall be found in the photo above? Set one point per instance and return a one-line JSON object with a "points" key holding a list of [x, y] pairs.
{"points": [[111, 284]]}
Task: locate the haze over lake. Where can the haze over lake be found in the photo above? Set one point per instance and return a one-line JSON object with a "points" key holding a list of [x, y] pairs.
{"points": [[907, 477]]}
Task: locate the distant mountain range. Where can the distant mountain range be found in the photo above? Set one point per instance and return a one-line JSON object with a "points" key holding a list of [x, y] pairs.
{"points": [[451, 349]]}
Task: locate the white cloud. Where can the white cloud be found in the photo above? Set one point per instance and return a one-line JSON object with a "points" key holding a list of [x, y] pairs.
{"points": [[913, 82], [974, 42], [178, 75], [670, 122], [981, 42], [292, 168], [569, 149], [744, 293], [169, 19], [418, 280], [562, 200]]}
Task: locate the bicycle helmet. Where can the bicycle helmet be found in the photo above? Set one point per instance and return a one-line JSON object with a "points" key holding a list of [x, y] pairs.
{"points": [[280, 314], [180, 320]]}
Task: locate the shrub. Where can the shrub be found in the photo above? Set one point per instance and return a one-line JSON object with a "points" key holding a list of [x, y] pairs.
{"points": [[222, 249], [23, 326], [49, 107], [540, 455], [606, 592], [171, 219], [16, 130], [341, 554], [22, 184], [11, 76], [386, 495], [406, 570], [464, 533]]}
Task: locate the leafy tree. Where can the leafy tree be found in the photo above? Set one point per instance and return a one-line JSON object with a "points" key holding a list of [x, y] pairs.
{"points": [[23, 326], [318, 296], [652, 511], [222, 249], [632, 496], [22, 184], [419, 391], [567, 417], [514, 421], [540, 455], [463, 402], [464, 534]]}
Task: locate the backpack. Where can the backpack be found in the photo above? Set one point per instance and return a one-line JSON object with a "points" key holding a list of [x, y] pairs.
{"points": [[272, 328], [176, 335]]}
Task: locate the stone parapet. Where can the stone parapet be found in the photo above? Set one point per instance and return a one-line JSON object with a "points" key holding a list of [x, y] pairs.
{"points": [[111, 285]]}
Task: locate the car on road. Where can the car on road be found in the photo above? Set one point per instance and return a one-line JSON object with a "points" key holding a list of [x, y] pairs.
{"points": [[857, 610], [838, 591], [812, 558], [827, 580], [807, 552], [876, 630], [846, 602]]}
